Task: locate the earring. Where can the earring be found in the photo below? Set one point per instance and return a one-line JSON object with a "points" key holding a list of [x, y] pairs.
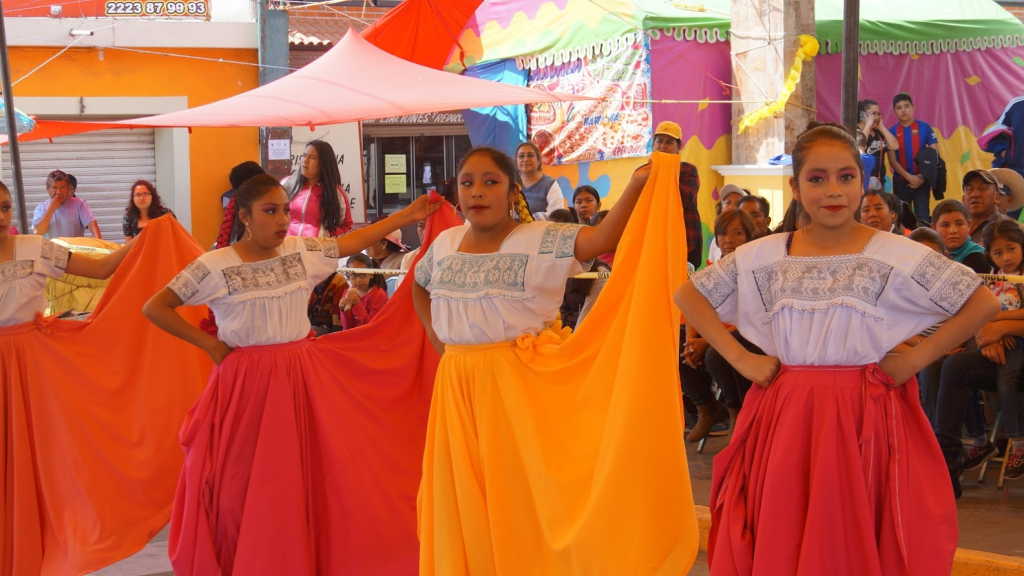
{"points": [[248, 231], [512, 211]]}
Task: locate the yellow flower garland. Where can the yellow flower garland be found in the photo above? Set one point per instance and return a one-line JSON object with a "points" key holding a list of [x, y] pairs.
{"points": [[808, 50]]}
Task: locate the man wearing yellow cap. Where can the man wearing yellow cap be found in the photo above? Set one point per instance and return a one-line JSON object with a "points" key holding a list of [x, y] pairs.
{"points": [[668, 137]]}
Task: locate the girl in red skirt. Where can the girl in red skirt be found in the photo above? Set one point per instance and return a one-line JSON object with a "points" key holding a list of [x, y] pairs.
{"points": [[285, 470], [817, 478]]}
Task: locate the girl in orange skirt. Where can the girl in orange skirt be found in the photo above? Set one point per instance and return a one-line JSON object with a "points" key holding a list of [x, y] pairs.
{"points": [[817, 478], [89, 408], [289, 469], [542, 455]]}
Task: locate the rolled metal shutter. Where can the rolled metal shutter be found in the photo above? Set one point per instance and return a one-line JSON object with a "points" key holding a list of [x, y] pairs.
{"points": [[106, 164]]}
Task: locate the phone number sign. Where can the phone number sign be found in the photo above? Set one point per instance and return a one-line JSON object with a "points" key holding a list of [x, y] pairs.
{"points": [[191, 9]]}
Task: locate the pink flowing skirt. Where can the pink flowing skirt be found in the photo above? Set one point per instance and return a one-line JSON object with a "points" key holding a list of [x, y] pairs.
{"points": [[832, 471], [301, 460]]}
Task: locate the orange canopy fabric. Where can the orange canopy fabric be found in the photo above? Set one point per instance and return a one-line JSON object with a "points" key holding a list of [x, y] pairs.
{"points": [[91, 412], [422, 31]]}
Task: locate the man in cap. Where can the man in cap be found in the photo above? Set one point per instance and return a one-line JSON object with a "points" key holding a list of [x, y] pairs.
{"points": [[981, 188], [668, 138]]}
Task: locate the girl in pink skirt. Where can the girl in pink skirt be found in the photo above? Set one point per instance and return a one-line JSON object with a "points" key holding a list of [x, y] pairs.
{"points": [[817, 478]]}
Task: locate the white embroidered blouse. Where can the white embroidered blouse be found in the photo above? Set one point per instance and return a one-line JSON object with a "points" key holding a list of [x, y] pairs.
{"points": [[23, 279], [490, 298], [845, 310], [259, 303]]}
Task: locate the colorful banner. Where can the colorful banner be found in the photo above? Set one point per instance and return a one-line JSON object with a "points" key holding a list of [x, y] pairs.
{"points": [[618, 127]]}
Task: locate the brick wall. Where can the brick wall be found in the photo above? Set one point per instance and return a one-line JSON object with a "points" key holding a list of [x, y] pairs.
{"points": [[346, 16], [1015, 8], [328, 23]]}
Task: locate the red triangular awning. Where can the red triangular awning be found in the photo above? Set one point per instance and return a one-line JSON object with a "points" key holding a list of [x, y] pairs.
{"points": [[352, 81], [423, 31]]}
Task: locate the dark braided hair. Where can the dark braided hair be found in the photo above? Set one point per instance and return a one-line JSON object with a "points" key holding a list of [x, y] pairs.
{"points": [[230, 229]]}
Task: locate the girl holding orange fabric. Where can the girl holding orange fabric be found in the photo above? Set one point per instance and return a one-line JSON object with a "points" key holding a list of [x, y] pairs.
{"points": [[269, 485], [536, 452], [89, 454], [27, 261], [817, 477]]}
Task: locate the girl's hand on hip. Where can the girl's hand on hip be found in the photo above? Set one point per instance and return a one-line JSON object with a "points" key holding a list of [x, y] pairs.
{"points": [[758, 368]]}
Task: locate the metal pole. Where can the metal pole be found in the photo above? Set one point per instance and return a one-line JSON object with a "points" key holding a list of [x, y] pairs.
{"points": [[851, 50], [12, 128]]}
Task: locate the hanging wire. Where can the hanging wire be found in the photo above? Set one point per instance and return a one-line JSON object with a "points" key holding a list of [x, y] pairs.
{"points": [[158, 53]]}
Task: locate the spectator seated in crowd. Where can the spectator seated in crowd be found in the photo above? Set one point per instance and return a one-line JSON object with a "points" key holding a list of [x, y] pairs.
{"points": [[759, 211], [730, 195], [882, 211], [700, 364], [564, 216], [587, 202], [950, 219], [995, 366], [366, 294]]}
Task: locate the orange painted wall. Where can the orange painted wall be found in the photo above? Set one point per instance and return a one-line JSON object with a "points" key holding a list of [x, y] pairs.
{"points": [[213, 151]]}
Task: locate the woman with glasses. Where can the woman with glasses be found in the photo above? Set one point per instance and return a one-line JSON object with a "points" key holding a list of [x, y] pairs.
{"points": [[144, 204], [316, 213], [542, 193]]}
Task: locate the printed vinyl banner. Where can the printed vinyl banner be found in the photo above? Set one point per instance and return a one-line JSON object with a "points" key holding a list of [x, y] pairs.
{"points": [[587, 131]]}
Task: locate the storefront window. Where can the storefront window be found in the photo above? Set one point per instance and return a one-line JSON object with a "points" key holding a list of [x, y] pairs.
{"points": [[399, 169]]}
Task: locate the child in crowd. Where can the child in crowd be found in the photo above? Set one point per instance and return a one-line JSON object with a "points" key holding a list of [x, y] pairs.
{"points": [[365, 295], [563, 216], [608, 257], [929, 238], [995, 366], [869, 160], [818, 471], [1004, 246], [733, 229], [911, 135], [587, 202], [950, 220]]}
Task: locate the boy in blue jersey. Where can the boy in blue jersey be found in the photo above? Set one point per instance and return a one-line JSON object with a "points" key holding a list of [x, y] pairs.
{"points": [[912, 135]]}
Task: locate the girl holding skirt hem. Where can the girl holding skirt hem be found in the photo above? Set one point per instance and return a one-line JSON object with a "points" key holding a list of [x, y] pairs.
{"points": [[89, 407], [284, 473], [548, 453], [817, 477]]}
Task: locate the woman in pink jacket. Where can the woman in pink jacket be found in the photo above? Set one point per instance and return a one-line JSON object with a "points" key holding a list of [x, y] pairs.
{"points": [[313, 212]]}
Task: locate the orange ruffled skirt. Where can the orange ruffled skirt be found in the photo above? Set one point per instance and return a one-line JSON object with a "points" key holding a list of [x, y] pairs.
{"points": [[90, 412]]}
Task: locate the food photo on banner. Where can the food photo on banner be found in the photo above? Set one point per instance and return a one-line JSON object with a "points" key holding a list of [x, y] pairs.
{"points": [[618, 126]]}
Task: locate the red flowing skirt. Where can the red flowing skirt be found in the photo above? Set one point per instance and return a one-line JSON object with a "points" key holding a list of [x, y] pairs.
{"points": [[296, 465], [832, 471]]}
